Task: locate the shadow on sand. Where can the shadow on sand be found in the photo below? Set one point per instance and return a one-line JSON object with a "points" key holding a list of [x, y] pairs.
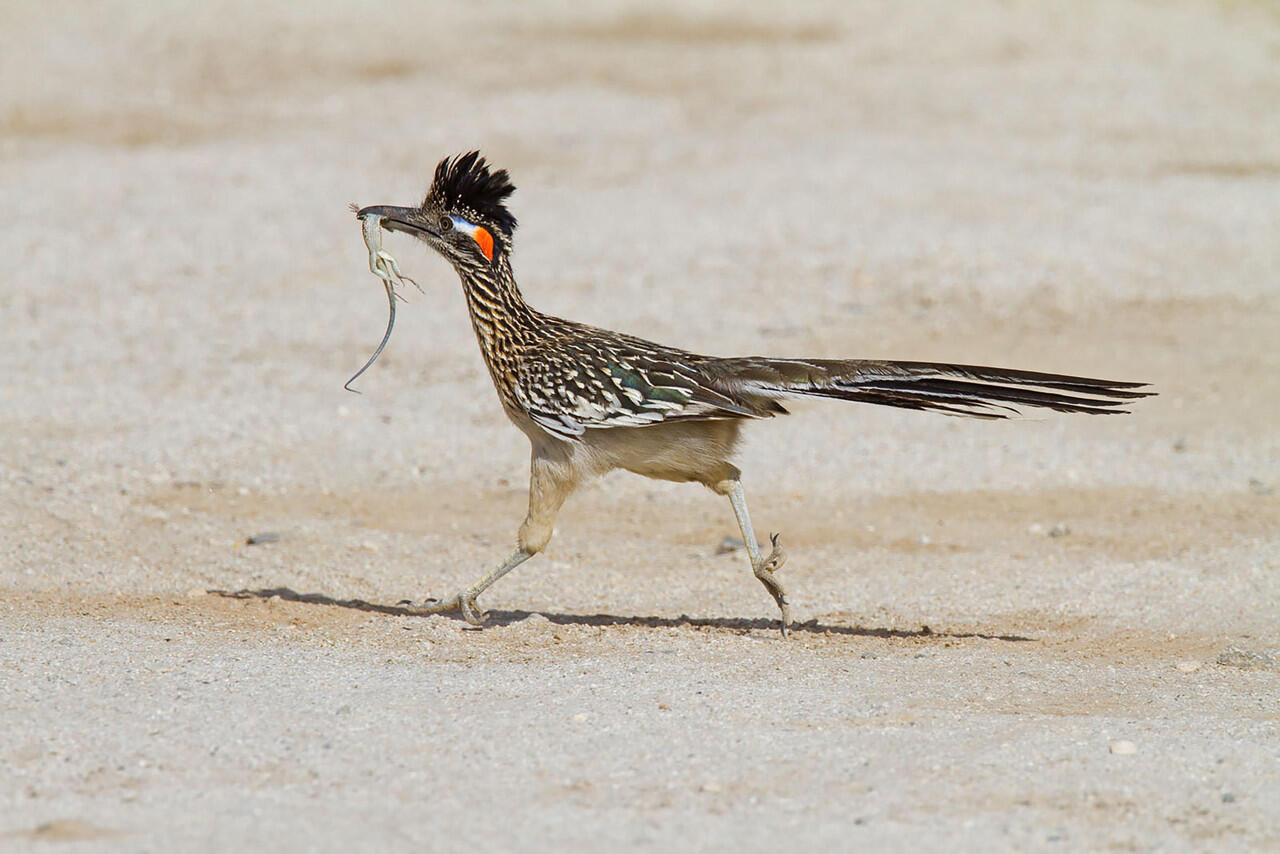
{"points": [[503, 618]]}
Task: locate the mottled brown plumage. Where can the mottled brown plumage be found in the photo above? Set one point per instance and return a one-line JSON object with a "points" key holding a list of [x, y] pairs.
{"points": [[592, 400]]}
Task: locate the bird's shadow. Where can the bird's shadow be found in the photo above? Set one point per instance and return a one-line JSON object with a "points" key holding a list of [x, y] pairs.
{"points": [[505, 618]]}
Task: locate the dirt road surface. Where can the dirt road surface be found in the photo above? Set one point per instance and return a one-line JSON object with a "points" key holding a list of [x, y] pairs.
{"points": [[1053, 634]]}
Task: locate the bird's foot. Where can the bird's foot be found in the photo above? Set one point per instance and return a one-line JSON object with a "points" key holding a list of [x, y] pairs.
{"points": [[464, 603], [773, 561], [764, 570]]}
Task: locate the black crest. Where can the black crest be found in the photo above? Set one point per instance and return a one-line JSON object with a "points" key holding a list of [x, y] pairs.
{"points": [[464, 183]]}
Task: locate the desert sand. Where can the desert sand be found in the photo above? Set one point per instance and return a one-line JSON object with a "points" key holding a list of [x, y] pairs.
{"points": [[1058, 633]]}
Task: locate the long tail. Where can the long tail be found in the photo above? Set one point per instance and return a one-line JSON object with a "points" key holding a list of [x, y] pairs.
{"points": [[968, 390]]}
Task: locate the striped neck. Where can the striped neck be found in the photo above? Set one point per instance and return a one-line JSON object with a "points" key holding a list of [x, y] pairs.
{"points": [[498, 311]]}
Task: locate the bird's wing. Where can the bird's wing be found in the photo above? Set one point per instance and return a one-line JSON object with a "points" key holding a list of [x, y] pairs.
{"points": [[584, 385]]}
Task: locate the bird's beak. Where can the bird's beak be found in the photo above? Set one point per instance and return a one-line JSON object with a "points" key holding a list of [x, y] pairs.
{"points": [[408, 220]]}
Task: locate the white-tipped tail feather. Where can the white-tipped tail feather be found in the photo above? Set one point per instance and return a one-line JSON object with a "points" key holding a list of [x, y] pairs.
{"points": [[969, 390]]}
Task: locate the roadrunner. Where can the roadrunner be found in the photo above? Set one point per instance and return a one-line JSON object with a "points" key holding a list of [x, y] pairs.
{"points": [[591, 400]]}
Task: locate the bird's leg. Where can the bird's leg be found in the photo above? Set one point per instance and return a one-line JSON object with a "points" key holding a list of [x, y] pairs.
{"points": [[549, 486], [465, 601], [764, 566]]}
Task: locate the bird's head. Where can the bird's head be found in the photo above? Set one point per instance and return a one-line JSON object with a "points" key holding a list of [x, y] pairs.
{"points": [[464, 216]]}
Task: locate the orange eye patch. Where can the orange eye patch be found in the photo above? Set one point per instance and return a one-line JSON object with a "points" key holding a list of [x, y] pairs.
{"points": [[478, 233], [484, 240]]}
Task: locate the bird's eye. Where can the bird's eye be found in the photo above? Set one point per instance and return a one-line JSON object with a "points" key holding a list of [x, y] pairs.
{"points": [[446, 224]]}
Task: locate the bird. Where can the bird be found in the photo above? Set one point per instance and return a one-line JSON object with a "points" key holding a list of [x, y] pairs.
{"points": [[592, 400]]}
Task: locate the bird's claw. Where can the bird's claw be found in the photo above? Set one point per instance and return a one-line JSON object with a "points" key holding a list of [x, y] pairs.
{"points": [[769, 564], [467, 604], [464, 603], [774, 560]]}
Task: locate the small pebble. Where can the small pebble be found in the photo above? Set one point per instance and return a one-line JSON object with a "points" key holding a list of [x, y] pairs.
{"points": [[1059, 530], [1228, 798], [1123, 748], [264, 537], [1187, 666]]}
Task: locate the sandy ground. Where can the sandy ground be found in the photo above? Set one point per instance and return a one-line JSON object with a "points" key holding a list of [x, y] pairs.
{"points": [[1049, 634]]}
